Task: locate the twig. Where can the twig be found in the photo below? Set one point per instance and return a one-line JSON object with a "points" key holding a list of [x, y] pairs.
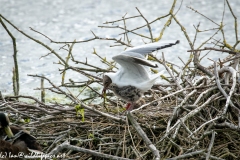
{"points": [[221, 89], [199, 66], [235, 24], [66, 145], [16, 86], [173, 78], [214, 49], [42, 91], [210, 145], [148, 25], [142, 134], [184, 156], [123, 18], [203, 15]]}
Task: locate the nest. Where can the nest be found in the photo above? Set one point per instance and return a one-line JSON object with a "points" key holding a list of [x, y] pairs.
{"points": [[194, 122]]}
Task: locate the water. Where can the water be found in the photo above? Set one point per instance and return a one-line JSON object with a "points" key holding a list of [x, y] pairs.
{"points": [[69, 20]]}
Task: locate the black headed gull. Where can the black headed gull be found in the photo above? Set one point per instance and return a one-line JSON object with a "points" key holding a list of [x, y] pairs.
{"points": [[133, 78]]}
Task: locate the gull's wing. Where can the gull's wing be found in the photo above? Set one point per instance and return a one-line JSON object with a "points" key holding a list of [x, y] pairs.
{"points": [[143, 50], [138, 54], [121, 58], [130, 72]]}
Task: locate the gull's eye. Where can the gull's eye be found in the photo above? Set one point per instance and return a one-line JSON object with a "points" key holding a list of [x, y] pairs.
{"points": [[106, 82]]}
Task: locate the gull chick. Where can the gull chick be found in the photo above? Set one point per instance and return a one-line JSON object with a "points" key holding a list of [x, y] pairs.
{"points": [[133, 77]]}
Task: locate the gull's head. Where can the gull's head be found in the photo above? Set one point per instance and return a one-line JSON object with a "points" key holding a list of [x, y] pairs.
{"points": [[106, 82]]}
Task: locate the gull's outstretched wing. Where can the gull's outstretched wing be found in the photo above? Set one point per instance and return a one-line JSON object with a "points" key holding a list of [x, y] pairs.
{"points": [[143, 50], [138, 54]]}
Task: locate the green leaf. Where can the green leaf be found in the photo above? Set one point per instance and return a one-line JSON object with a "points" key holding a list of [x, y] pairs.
{"points": [[154, 71], [27, 120], [80, 111], [91, 135]]}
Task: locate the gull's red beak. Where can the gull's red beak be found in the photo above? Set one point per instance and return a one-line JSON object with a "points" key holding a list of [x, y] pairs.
{"points": [[104, 91], [106, 82]]}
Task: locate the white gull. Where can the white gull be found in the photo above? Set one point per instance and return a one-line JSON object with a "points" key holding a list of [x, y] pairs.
{"points": [[133, 78]]}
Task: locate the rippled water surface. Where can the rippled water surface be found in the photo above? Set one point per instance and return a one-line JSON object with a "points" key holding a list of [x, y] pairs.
{"points": [[69, 20]]}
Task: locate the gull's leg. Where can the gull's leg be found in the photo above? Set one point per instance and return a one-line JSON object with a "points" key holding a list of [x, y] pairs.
{"points": [[129, 106]]}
